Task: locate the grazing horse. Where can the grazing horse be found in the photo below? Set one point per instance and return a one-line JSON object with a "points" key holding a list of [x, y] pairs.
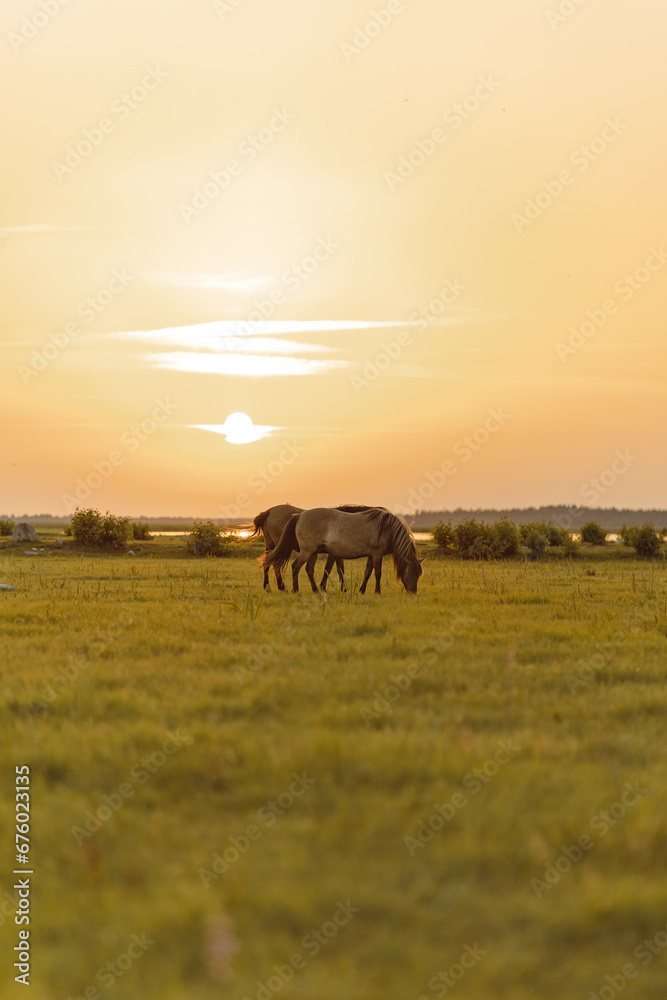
{"points": [[373, 533], [271, 524]]}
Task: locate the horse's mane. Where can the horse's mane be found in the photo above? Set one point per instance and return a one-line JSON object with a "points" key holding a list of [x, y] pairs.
{"points": [[402, 540], [355, 508]]}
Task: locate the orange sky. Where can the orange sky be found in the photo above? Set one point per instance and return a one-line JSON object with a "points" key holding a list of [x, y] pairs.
{"points": [[421, 244]]}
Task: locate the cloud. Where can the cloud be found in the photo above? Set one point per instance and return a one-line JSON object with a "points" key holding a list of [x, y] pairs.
{"points": [[245, 365], [43, 227]]}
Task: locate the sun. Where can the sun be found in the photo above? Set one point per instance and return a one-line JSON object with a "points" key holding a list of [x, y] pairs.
{"points": [[238, 428]]}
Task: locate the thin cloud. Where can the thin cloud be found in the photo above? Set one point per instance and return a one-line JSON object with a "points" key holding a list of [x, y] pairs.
{"points": [[244, 365], [43, 227]]}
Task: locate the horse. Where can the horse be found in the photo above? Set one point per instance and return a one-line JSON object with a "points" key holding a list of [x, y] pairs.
{"points": [[374, 533], [271, 523]]}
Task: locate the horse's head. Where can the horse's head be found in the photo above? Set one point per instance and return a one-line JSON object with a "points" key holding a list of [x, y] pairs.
{"points": [[411, 572]]}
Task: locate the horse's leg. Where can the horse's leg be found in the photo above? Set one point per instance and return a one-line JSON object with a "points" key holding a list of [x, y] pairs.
{"points": [[296, 566], [327, 569], [367, 575], [377, 566], [340, 566], [310, 570], [267, 549], [279, 579]]}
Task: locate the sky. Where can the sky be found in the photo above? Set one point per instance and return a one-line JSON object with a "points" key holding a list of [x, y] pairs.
{"points": [[420, 246]]}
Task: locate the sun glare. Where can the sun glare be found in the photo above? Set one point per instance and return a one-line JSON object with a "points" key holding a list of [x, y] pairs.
{"points": [[238, 428]]}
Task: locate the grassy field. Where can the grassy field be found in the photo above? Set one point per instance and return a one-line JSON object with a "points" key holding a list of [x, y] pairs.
{"points": [[353, 797]]}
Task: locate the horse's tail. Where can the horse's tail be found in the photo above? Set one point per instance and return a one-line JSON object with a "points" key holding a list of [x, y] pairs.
{"points": [[279, 556], [258, 523]]}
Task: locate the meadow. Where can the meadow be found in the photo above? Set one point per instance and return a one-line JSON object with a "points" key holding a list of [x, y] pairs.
{"points": [[394, 798]]}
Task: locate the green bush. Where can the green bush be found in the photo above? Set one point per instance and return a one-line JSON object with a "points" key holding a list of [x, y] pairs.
{"points": [[140, 531], [569, 544], [646, 540], [593, 533], [100, 531], [507, 538], [6, 526], [443, 534], [628, 534], [536, 540], [553, 535], [206, 539], [475, 540]]}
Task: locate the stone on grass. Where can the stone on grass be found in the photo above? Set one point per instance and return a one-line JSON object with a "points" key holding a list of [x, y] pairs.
{"points": [[24, 532]]}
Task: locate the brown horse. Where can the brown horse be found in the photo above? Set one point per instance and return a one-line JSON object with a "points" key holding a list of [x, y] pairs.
{"points": [[271, 524], [373, 533]]}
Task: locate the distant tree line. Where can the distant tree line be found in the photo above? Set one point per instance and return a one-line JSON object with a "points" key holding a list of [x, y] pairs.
{"points": [[476, 539], [571, 518]]}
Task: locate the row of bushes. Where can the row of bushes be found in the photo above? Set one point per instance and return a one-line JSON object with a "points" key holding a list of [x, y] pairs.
{"points": [[93, 530], [6, 526], [472, 539], [105, 531]]}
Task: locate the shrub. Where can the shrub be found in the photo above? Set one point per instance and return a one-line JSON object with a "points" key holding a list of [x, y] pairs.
{"points": [[473, 539], [646, 540], [206, 539], [507, 538], [476, 540], [536, 540], [569, 544], [628, 534], [593, 533], [140, 531], [553, 535], [443, 534], [100, 531], [6, 526]]}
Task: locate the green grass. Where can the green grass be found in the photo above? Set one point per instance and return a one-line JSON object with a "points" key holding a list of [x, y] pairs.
{"points": [[390, 705]]}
